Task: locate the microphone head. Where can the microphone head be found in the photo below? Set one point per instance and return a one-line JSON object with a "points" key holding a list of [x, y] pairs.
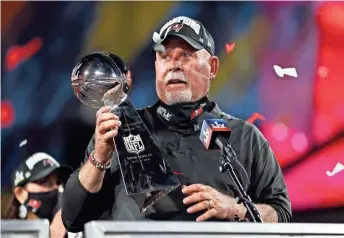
{"points": [[211, 128]]}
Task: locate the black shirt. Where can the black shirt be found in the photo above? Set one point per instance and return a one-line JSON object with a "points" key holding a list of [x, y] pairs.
{"points": [[192, 163]]}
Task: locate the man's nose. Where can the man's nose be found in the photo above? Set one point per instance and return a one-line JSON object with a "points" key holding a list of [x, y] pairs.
{"points": [[175, 65]]}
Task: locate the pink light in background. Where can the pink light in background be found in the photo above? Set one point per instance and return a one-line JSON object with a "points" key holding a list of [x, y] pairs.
{"points": [[287, 143], [280, 131], [308, 184], [299, 142], [323, 71]]}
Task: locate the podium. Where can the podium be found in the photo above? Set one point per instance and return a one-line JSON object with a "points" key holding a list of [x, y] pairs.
{"points": [[155, 229], [25, 228]]}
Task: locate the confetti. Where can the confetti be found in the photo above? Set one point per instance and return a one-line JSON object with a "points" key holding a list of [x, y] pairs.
{"points": [[230, 47], [24, 142], [255, 116], [338, 168], [285, 71]]}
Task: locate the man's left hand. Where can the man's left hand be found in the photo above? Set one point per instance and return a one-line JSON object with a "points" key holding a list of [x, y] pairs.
{"points": [[218, 205]]}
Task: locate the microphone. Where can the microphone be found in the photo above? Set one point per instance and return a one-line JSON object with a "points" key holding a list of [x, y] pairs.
{"points": [[215, 134]]}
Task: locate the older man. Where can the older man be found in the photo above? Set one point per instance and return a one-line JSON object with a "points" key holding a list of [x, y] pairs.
{"points": [[185, 67]]}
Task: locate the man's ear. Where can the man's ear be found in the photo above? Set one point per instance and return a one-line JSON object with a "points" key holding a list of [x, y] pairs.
{"points": [[21, 194], [214, 66]]}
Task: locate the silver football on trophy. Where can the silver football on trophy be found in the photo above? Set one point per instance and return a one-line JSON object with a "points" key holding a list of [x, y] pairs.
{"points": [[101, 78]]}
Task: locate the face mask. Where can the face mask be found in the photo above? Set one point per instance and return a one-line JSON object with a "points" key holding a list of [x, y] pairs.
{"points": [[44, 205], [182, 117]]}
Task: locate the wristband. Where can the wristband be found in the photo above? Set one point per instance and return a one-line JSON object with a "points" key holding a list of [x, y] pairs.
{"points": [[97, 164]]}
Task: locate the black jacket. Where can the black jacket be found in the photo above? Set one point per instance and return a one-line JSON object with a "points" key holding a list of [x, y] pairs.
{"points": [[194, 164]]}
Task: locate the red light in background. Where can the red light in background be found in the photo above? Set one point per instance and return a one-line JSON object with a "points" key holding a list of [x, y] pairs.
{"points": [[19, 53], [7, 114], [330, 18], [329, 85]]}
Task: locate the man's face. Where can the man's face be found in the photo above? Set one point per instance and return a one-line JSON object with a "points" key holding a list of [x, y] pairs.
{"points": [[183, 74]]}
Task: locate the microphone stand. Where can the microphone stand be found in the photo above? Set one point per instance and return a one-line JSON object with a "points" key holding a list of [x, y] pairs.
{"points": [[227, 156]]}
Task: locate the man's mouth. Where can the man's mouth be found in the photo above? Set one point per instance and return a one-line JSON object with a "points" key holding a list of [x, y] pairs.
{"points": [[175, 81]]}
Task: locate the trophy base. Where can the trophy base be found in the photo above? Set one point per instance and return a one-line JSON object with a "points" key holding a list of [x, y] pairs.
{"points": [[151, 199]]}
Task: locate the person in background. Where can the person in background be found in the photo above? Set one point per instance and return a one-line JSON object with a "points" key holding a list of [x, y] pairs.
{"points": [[37, 184]]}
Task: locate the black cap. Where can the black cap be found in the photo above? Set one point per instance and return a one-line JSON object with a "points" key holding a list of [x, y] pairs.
{"points": [[38, 166], [190, 30]]}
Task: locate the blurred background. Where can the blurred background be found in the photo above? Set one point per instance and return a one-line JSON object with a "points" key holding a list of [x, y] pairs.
{"points": [[303, 117]]}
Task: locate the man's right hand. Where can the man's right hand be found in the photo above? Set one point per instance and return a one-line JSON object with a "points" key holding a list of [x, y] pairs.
{"points": [[106, 129], [91, 177]]}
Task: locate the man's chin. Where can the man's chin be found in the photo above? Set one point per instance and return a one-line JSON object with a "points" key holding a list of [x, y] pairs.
{"points": [[178, 97]]}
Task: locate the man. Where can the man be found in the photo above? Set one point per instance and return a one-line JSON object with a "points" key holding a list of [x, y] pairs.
{"points": [[185, 67]]}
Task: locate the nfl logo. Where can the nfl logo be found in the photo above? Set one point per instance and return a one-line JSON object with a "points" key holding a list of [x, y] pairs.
{"points": [[133, 144]]}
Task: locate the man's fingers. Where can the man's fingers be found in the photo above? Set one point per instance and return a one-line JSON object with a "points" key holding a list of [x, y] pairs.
{"points": [[111, 134], [102, 110], [108, 125], [207, 215], [206, 204], [197, 197], [106, 117], [194, 188]]}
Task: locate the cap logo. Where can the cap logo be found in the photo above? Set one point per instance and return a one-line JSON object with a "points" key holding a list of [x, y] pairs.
{"points": [[35, 204], [48, 162], [37, 157], [177, 27], [186, 21]]}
